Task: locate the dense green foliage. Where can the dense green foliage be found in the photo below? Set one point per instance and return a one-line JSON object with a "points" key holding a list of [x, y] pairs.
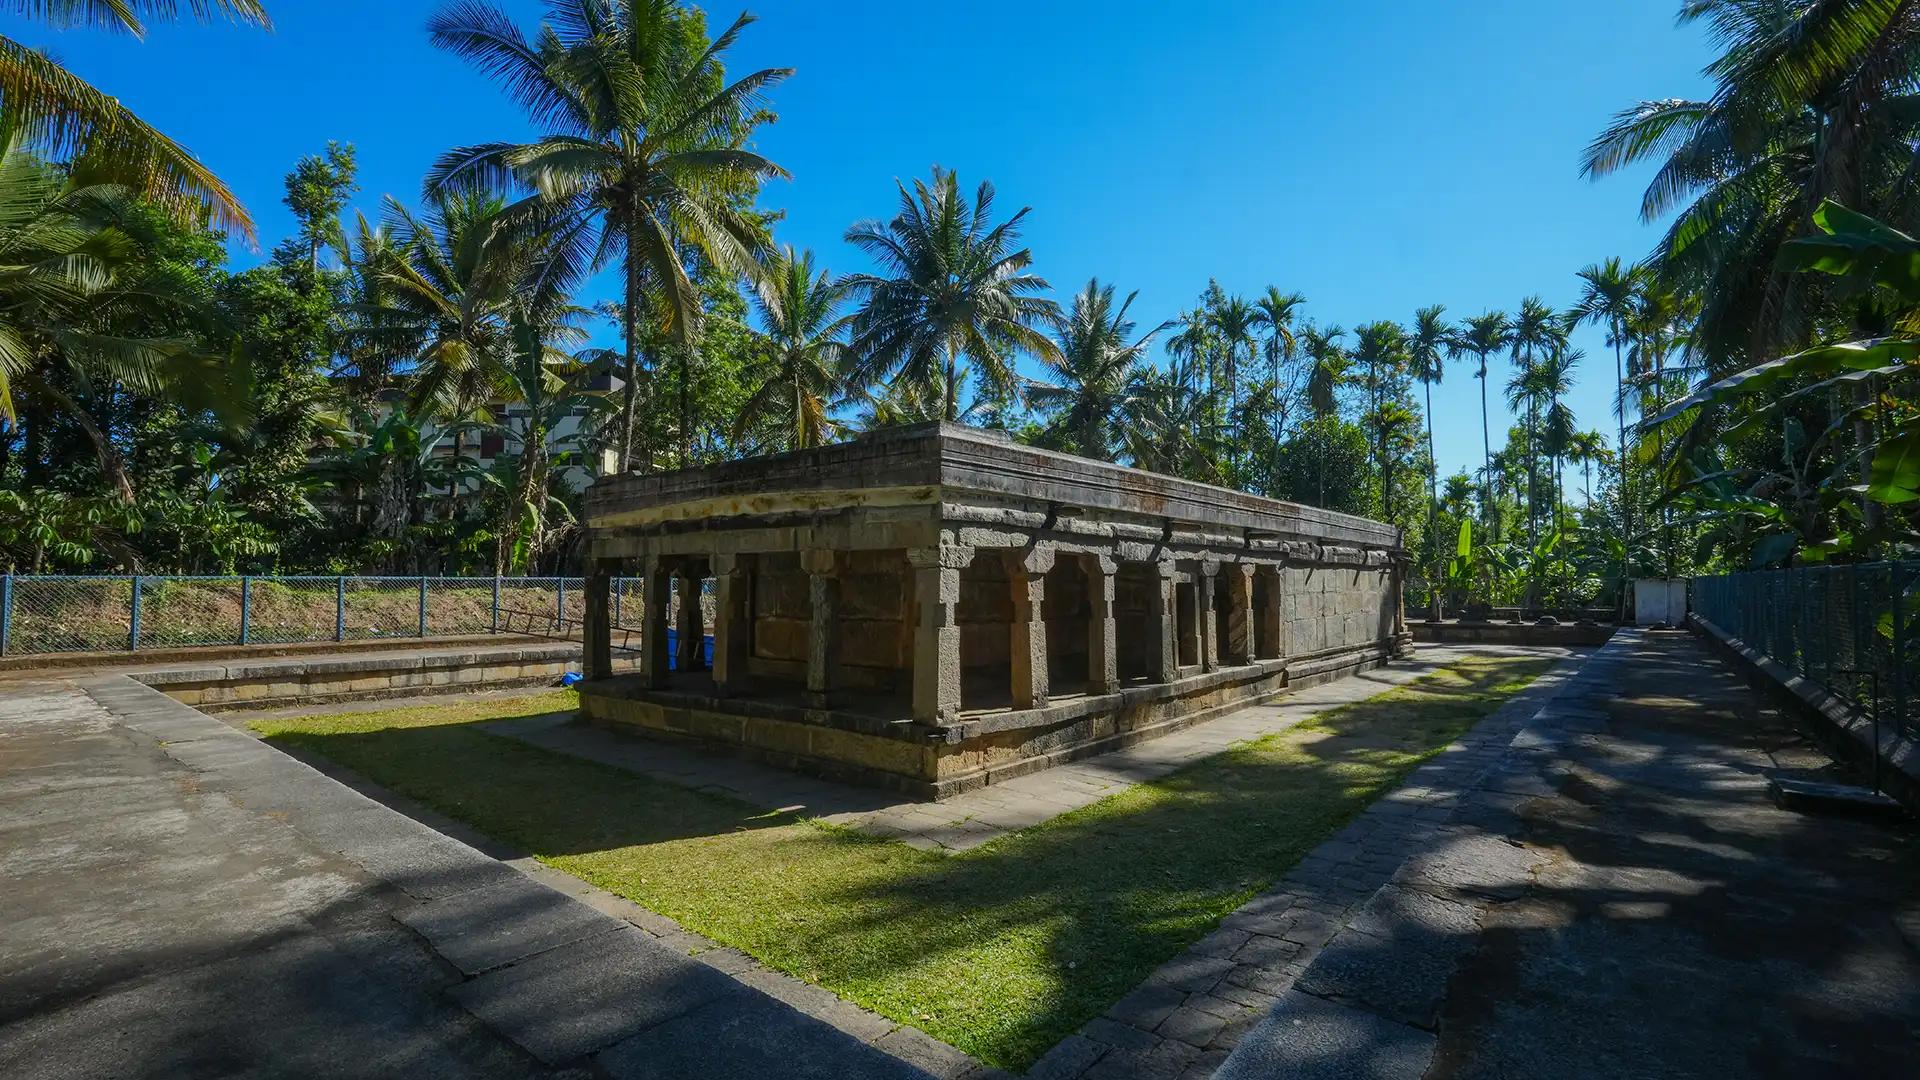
{"points": [[423, 393]]}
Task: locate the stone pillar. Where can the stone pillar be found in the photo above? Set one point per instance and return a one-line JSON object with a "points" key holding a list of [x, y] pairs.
{"points": [[1167, 623], [1027, 635], [732, 619], [1238, 648], [1103, 660], [690, 629], [596, 630], [1398, 599], [936, 634], [1203, 580], [655, 581], [1272, 618], [823, 594]]}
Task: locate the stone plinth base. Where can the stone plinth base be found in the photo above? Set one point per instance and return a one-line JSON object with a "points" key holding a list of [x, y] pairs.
{"points": [[870, 743]]}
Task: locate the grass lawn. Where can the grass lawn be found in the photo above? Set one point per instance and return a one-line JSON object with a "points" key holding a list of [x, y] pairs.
{"points": [[1000, 951]]}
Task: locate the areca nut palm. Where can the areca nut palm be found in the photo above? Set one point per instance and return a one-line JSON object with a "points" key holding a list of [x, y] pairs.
{"points": [[1275, 312], [1607, 294], [52, 111], [1323, 348], [1483, 335], [1535, 331], [1427, 348], [950, 284], [1089, 379], [1234, 320], [641, 157], [796, 374]]}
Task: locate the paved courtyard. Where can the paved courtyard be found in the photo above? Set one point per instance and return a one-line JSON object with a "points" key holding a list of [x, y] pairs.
{"points": [[1591, 882]]}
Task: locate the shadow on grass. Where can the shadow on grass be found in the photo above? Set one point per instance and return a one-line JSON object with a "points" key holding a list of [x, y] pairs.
{"points": [[1001, 951]]}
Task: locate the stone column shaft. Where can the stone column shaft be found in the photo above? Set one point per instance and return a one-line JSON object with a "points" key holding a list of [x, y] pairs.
{"points": [[691, 629], [1238, 648], [1166, 622], [596, 631], [732, 619], [936, 632], [823, 642], [655, 582], [1204, 613], [1028, 632], [1103, 660]]}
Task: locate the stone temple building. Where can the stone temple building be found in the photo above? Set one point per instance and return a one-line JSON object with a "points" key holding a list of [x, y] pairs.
{"points": [[933, 608]]}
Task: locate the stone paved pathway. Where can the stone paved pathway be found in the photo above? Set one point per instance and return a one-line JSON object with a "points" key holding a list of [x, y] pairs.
{"points": [[1616, 896], [180, 899], [968, 820]]}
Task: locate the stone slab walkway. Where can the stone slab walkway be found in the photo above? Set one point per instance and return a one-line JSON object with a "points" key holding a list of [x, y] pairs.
{"points": [[182, 900], [973, 818], [1616, 896]]}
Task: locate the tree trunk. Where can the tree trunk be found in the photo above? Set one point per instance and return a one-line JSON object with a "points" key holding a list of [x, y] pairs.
{"points": [[1626, 501], [629, 314], [1486, 448], [686, 414], [113, 467]]}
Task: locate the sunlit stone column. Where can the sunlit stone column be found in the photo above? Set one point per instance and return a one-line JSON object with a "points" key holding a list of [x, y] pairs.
{"points": [[1027, 635], [732, 619], [596, 630], [655, 583], [1203, 606], [1238, 648], [691, 629], [823, 642], [1166, 628], [1103, 661], [936, 634]]}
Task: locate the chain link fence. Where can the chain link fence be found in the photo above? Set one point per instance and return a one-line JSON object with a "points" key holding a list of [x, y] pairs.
{"points": [[1854, 629], [92, 613]]}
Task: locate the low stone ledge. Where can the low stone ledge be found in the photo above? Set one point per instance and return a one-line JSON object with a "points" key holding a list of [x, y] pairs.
{"points": [[1843, 731]]}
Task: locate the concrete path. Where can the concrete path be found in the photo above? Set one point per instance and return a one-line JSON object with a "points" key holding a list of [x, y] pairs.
{"points": [[973, 818], [1618, 897], [180, 899]]}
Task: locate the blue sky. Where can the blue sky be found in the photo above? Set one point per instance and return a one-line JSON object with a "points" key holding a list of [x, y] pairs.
{"points": [[1376, 157]]}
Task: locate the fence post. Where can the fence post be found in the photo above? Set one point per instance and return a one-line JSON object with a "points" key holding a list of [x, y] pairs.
{"points": [[133, 617], [619, 584], [6, 612], [423, 606], [340, 609], [1899, 649], [246, 607], [560, 606], [496, 604]]}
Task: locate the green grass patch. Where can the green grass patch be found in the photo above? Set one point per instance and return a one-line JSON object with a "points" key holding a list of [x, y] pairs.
{"points": [[1000, 951]]}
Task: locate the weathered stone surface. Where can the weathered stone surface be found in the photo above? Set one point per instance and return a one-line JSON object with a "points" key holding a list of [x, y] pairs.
{"points": [[1309, 1038]]}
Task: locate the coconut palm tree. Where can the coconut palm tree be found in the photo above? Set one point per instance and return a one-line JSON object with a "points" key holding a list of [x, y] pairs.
{"points": [[71, 277], [952, 286], [1482, 336], [641, 156], [1166, 421], [796, 375], [1811, 101], [1084, 400], [51, 111]]}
